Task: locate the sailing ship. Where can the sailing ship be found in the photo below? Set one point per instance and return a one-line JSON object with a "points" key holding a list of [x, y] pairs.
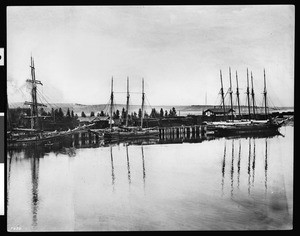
{"points": [[243, 126], [22, 137], [121, 133]]}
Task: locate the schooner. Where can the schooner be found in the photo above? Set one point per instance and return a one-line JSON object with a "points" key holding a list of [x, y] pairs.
{"points": [[125, 132], [244, 126]]}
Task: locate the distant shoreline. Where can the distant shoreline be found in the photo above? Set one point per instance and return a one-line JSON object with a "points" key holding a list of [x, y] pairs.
{"points": [[182, 110]]}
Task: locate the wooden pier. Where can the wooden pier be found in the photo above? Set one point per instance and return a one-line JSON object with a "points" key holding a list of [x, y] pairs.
{"points": [[193, 132], [85, 137], [165, 133], [182, 132]]}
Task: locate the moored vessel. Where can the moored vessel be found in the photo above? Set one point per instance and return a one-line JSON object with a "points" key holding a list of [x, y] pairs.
{"points": [[35, 135], [243, 126], [126, 132]]}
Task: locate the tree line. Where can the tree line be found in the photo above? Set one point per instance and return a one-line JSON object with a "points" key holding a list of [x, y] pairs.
{"points": [[154, 114], [51, 120], [58, 114]]}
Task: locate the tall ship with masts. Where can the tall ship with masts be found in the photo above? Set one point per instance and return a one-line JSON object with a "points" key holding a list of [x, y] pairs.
{"points": [[117, 133], [240, 126], [35, 135]]}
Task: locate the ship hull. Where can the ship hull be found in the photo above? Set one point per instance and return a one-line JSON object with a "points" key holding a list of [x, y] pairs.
{"points": [[124, 135], [265, 128], [36, 141]]}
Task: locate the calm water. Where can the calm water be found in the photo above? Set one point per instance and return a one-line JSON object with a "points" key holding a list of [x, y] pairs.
{"points": [[222, 184]]}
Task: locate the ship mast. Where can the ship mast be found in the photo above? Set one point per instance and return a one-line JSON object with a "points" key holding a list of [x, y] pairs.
{"points": [[252, 94], [127, 102], [230, 93], [143, 100], [111, 102], [265, 95], [238, 93], [222, 94], [34, 104], [33, 93], [248, 97]]}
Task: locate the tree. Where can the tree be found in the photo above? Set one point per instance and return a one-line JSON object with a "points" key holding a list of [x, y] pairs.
{"points": [[123, 113], [60, 113], [68, 113], [102, 113], [174, 111], [154, 113], [56, 114], [92, 114], [161, 113], [166, 113], [83, 114], [134, 115], [72, 114], [140, 113], [116, 114]]}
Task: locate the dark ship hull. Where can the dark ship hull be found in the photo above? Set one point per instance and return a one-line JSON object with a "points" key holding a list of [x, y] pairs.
{"points": [[130, 135], [247, 128], [37, 140]]}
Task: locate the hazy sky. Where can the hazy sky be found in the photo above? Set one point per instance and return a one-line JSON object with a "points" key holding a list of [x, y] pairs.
{"points": [[178, 50]]}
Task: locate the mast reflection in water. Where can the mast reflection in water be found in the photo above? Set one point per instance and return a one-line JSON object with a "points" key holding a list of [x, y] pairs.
{"points": [[250, 167], [266, 166], [104, 188], [112, 169], [144, 170], [239, 165], [35, 161], [128, 165]]}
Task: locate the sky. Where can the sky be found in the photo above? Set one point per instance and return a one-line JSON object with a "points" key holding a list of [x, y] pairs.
{"points": [[178, 50]]}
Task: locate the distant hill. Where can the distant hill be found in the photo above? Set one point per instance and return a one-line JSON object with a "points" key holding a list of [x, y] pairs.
{"points": [[181, 110]]}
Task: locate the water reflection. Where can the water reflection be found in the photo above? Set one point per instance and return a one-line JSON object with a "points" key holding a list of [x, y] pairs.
{"points": [[35, 161], [239, 165], [144, 170], [70, 151], [266, 166], [232, 167], [250, 167], [170, 185], [129, 177], [112, 169], [253, 163], [128, 165], [223, 168], [34, 158]]}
